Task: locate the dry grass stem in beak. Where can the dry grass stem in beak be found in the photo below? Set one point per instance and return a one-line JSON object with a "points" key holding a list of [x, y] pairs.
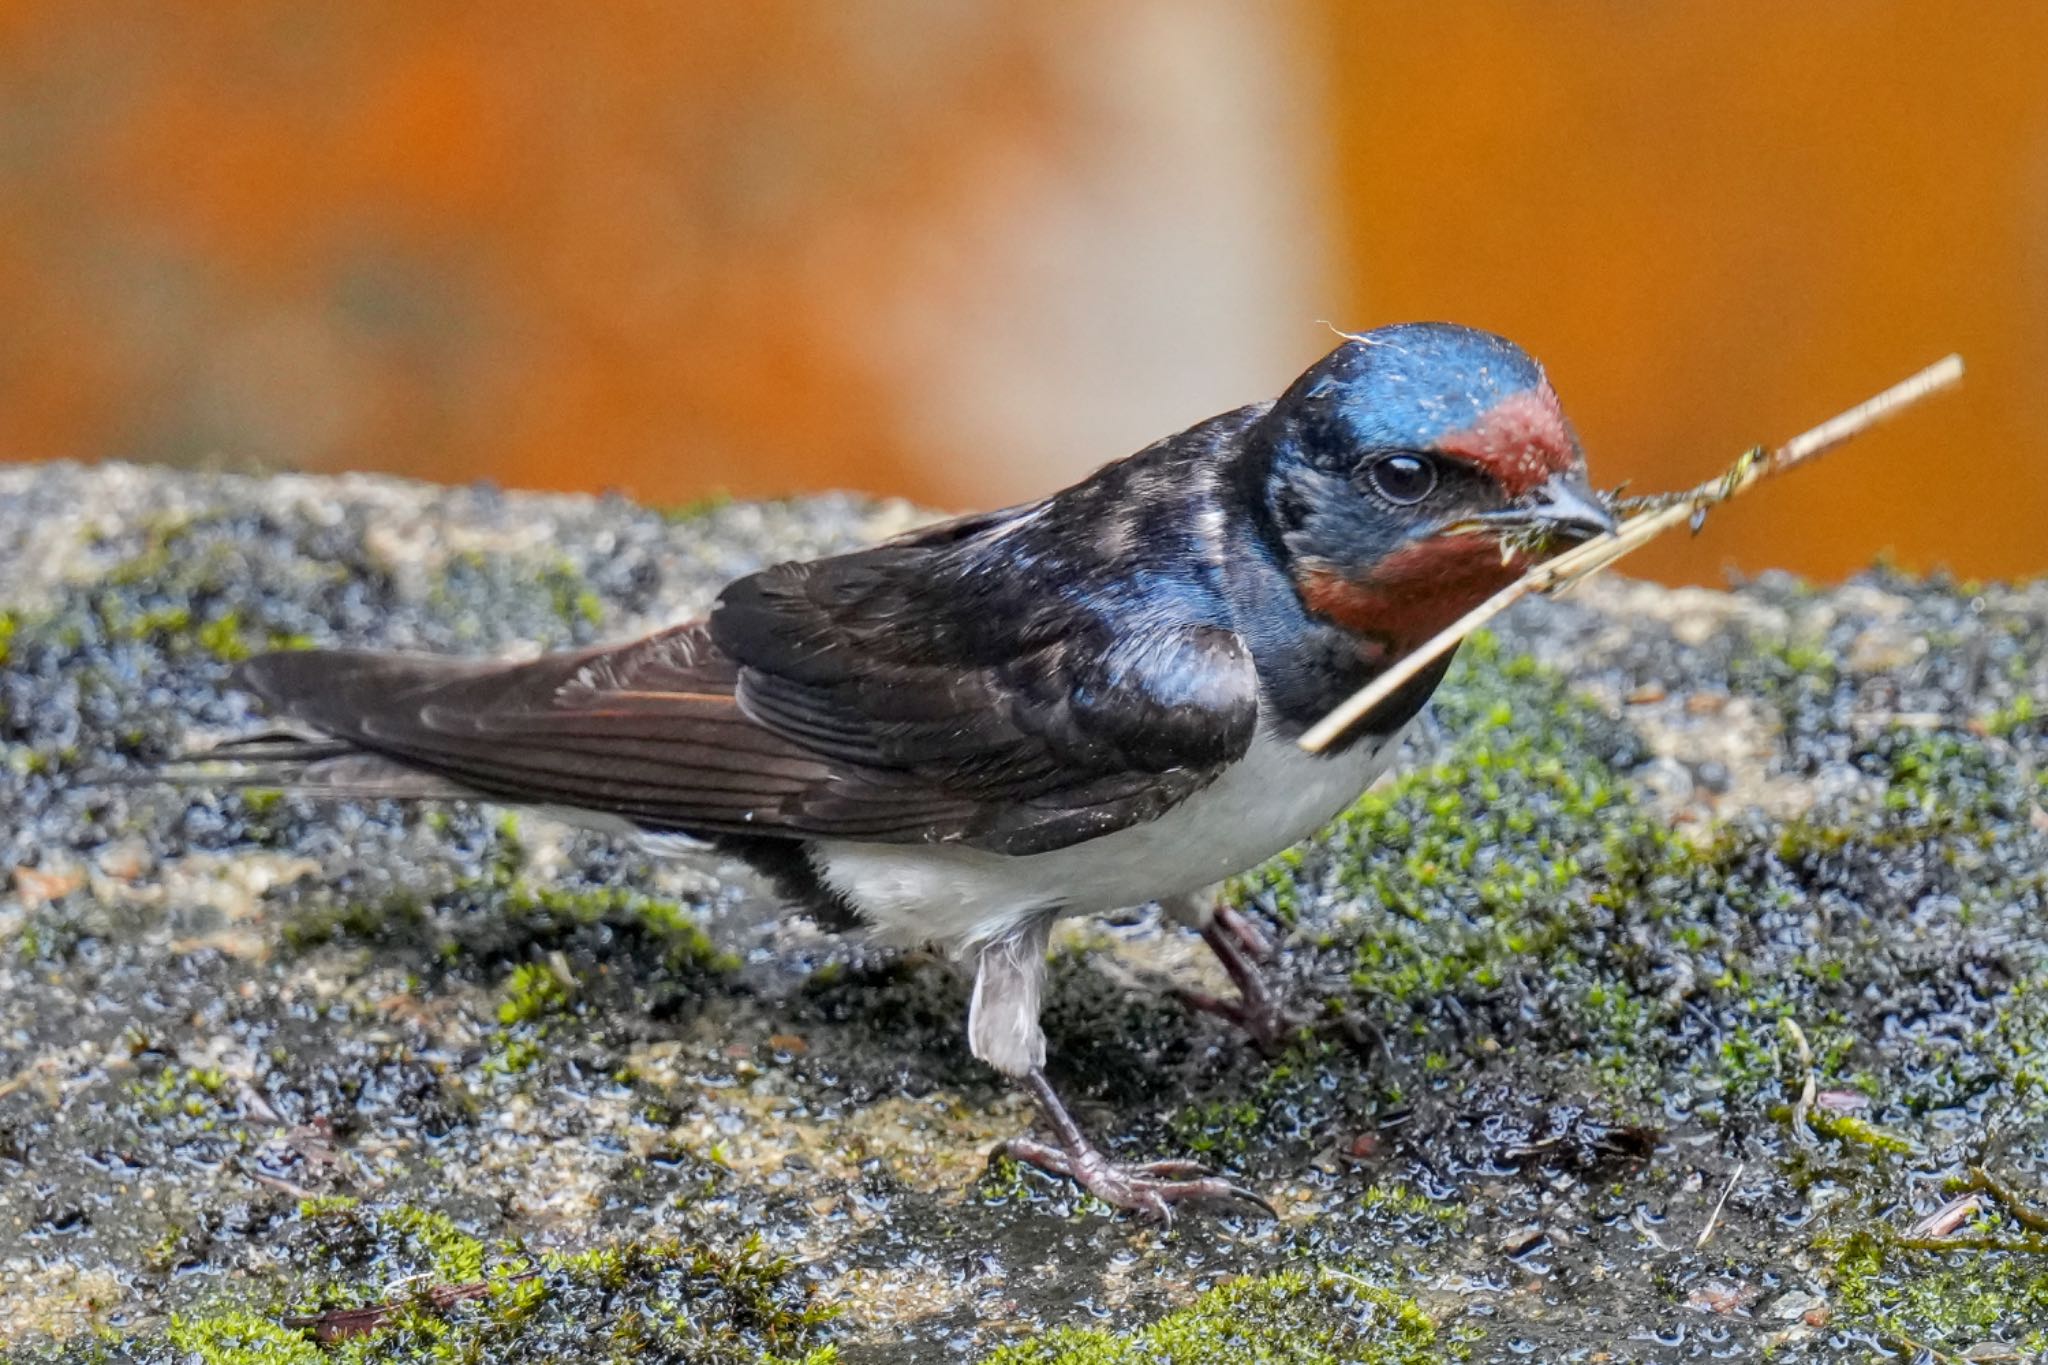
{"points": [[1655, 516]]}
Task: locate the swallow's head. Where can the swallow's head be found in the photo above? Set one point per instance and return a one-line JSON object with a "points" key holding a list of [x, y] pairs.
{"points": [[1414, 471]]}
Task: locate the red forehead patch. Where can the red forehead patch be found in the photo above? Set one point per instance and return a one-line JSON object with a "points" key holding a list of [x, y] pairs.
{"points": [[1521, 440]]}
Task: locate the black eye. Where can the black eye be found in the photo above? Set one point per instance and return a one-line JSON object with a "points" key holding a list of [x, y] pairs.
{"points": [[1401, 479]]}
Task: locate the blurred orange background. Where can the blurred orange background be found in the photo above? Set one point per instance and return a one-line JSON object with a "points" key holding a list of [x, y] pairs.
{"points": [[964, 252]]}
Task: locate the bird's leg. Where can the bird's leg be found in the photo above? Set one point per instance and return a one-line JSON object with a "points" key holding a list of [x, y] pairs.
{"points": [[1152, 1188], [1239, 948], [1002, 1030], [1240, 928]]}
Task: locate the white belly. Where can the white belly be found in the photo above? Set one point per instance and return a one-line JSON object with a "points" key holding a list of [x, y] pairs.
{"points": [[1271, 799]]}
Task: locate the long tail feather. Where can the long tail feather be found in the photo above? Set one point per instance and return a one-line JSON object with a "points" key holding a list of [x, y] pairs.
{"points": [[295, 754], [323, 768]]}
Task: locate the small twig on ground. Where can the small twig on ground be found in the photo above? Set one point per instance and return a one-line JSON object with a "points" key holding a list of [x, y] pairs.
{"points": [[279, 1183], [1714, 1218], [1668, 510], [341, 1323], [1945, 1220], [1901, 1345], [2024, 1246], [1936, 1232], [1802, 1106]]}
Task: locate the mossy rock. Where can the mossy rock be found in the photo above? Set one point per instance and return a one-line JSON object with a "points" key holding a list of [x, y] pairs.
{"points": [[1691, 961]]}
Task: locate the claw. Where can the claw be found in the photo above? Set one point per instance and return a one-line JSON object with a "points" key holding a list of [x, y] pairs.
{"points": [[1252, 1197]]}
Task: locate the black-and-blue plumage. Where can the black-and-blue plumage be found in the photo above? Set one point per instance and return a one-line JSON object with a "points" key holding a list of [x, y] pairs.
{"points": [[1060, 707]]}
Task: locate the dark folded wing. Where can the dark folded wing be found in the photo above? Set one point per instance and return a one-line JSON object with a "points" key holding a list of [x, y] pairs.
{"points": [[849, 698], [649, 730], [964, 672]]}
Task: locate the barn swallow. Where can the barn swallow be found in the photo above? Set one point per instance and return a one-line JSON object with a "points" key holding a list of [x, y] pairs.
{"points": [[961, 736]]}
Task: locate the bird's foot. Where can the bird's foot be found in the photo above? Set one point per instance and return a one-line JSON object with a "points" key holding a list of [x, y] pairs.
{"points": [[1258, 1009], [1267, 1022], [1151, 1189]]}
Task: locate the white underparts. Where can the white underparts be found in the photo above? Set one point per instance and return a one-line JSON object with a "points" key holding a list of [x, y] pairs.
{"points": [[998, 911], [960, 897]]}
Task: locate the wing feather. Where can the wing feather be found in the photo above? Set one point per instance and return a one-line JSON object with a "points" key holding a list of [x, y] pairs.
{"points": [[919, 691]]}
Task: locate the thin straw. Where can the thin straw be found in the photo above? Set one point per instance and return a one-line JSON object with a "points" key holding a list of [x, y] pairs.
{"points": [[1581, 561]]}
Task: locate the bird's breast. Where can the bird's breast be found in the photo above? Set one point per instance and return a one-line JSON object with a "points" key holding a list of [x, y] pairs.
{"points": [[1267, 801]]}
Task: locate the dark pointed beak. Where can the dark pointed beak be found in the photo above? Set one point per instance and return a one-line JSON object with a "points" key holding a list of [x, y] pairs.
{"points": [[1567, 507]]}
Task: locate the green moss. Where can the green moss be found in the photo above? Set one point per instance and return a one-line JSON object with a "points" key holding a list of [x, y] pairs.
{"points": [[2016, 1043], [1789, 674], [1522, 864], [1298, 1317], [159, 625], [184, 1092], [395, 918], [156, 560], [533, 990], [1399, 1201], [519, 913], [260, 800], [1497, 825], [687, 946], [1219, 1128], [1748, 1061], [434, 1241], [1948, 780], [508, 850], [2022, 714], [173, 596], [512, 1053], [1486, 865], [1232, 1127], [222, 638], [1950, 1300], [1274, 886], [656, 1299], [548, 599], [1003, 1182], [163, 1254], [1848, 1128], [570, 595], [242, 1338], [755, 1288], [328, 1205], [1527, 938]]}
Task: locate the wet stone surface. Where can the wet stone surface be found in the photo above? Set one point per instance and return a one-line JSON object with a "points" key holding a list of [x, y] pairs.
{"points": [[1686, 995]]}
